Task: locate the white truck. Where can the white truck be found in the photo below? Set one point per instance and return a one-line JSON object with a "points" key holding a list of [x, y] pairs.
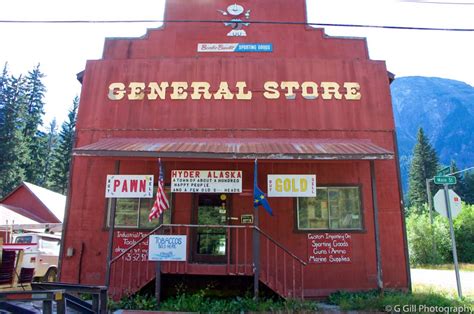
{"points": [[41, 253]]}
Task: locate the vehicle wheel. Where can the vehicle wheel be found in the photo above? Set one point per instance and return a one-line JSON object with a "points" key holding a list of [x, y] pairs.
{"points": [[50, 275]]}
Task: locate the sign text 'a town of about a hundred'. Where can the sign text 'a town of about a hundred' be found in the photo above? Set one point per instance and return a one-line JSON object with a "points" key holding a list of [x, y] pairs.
{"points": [[206, 181], [272, 90]]}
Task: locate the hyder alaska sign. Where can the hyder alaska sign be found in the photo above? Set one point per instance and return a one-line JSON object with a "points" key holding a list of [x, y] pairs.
{"points": [[206, 181]]}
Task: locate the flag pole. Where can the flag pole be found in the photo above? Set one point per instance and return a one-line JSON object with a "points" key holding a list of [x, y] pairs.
{"points": [[256, 241]]}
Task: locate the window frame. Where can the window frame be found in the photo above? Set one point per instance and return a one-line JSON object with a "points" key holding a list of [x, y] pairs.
{"points": [[362, 228], [137, 228]]}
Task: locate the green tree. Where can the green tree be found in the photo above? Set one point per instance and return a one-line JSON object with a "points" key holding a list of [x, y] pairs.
{"points": [[62, 155], [468, 195], [50, 147], [424, 165], [421, 234], [36, 140], [464, 233], [13, 149]]}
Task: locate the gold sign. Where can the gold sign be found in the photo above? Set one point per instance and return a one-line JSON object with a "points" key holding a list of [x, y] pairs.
{"points": [[202, 90]]}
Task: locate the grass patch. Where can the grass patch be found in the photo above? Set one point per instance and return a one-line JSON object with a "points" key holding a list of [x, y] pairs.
{"points": [[462, 266], [199, 302], [393, 300]]}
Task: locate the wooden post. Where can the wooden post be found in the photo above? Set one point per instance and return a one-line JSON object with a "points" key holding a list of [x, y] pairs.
{"points": [[111, 231], [158, 271], [17, 268], [378, 255], [256, 255]]}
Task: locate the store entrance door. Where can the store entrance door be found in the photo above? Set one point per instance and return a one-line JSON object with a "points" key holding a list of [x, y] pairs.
{"points": [[210, 244]]}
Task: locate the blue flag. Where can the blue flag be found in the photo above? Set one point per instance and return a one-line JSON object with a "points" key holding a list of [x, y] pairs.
{"points": [[258, 196]]}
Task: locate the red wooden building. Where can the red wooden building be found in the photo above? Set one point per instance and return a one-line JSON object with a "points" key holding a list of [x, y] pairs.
{"points": [[214, 96]]}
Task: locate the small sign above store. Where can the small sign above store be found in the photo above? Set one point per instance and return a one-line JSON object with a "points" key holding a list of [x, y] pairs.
{"points": [[129, 186], [246, 219], [206, 181], [291, 185], [235, 47]]}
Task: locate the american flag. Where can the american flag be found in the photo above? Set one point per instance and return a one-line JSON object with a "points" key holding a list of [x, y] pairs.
{"points": [[161, 203]]}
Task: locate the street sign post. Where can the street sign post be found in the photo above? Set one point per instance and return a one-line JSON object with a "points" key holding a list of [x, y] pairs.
{"points": [[445, 180], [452, 207], [445, 171]]}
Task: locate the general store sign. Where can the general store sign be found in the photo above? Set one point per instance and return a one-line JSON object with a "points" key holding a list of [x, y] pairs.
{"points": [[330, 248], [291, 185], [129, 186], [206, 181], [167, 248]]}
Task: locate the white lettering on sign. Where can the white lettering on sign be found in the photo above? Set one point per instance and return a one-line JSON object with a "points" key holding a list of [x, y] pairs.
{"points": [[239, 91], [331, 248], [206, 181], [167, 248], [124, 240], [129, 186], [291, 185]]}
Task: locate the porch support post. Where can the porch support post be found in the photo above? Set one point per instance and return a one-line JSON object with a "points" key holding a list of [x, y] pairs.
{"points": [[158, 272], [256, 254], [111, 231], [378, 255]]}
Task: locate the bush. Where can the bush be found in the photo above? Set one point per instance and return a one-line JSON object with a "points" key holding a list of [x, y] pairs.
{"points": [[421, 234], [464, 232]]}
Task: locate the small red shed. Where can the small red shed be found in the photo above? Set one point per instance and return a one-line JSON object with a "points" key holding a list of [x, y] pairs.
{"points": [[222, 88]]}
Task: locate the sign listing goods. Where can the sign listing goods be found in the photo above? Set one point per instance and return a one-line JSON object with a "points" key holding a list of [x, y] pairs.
{"points": [[291, 185], [206, 181], [129, 186], [330, 248], [167, 248]]}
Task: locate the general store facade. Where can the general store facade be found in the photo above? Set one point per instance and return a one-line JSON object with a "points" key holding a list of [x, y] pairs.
{"points": [[314, 111]]}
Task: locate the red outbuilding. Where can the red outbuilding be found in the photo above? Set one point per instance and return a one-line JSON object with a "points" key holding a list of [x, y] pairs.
{"points": [[232, 96]]}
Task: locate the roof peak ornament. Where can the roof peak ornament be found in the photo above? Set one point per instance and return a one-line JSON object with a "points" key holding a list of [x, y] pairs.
{"points": [[236, 10]]}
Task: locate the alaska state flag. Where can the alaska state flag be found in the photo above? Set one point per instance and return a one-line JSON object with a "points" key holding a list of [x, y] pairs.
{"points": [[258, 196]]}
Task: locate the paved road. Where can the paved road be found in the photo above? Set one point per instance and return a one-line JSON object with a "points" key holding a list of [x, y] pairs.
{"points": [[444, 279]]}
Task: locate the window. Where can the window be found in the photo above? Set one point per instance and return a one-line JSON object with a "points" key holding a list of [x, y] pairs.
{"points": [[24, 239], [49, 246], [333, 208], [133, 212]]}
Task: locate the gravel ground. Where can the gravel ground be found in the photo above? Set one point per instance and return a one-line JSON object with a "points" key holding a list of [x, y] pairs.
{"points": [[444, 279]]}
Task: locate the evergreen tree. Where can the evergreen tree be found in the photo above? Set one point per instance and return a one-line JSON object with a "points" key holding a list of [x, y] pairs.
{"points": [[468, 196], [460, 186], [13, 150], [35, 140], [51, 146], [424, 165], [62, 155]]}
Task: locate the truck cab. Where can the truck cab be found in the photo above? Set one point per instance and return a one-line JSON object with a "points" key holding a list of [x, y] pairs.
{"points": [[40, 252]]}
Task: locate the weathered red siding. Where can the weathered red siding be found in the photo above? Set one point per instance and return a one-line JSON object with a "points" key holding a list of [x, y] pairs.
{"points": [[300, 54]]}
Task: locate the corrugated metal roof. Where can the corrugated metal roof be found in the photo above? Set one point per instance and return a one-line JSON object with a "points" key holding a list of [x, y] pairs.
{"points": [[55, 202], [236, 148]]}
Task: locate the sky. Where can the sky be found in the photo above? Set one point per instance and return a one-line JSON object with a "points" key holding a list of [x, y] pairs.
{"points": [[63, 49]]}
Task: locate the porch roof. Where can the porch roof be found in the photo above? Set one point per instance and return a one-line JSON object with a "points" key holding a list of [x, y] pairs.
{"points": [[237, 148]]}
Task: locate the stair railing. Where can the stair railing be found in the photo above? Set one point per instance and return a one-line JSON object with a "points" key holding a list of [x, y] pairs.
{"points": [[281, 270]]}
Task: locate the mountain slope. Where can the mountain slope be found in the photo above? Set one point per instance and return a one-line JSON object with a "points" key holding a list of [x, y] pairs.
{"points": [[444, 109]]}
